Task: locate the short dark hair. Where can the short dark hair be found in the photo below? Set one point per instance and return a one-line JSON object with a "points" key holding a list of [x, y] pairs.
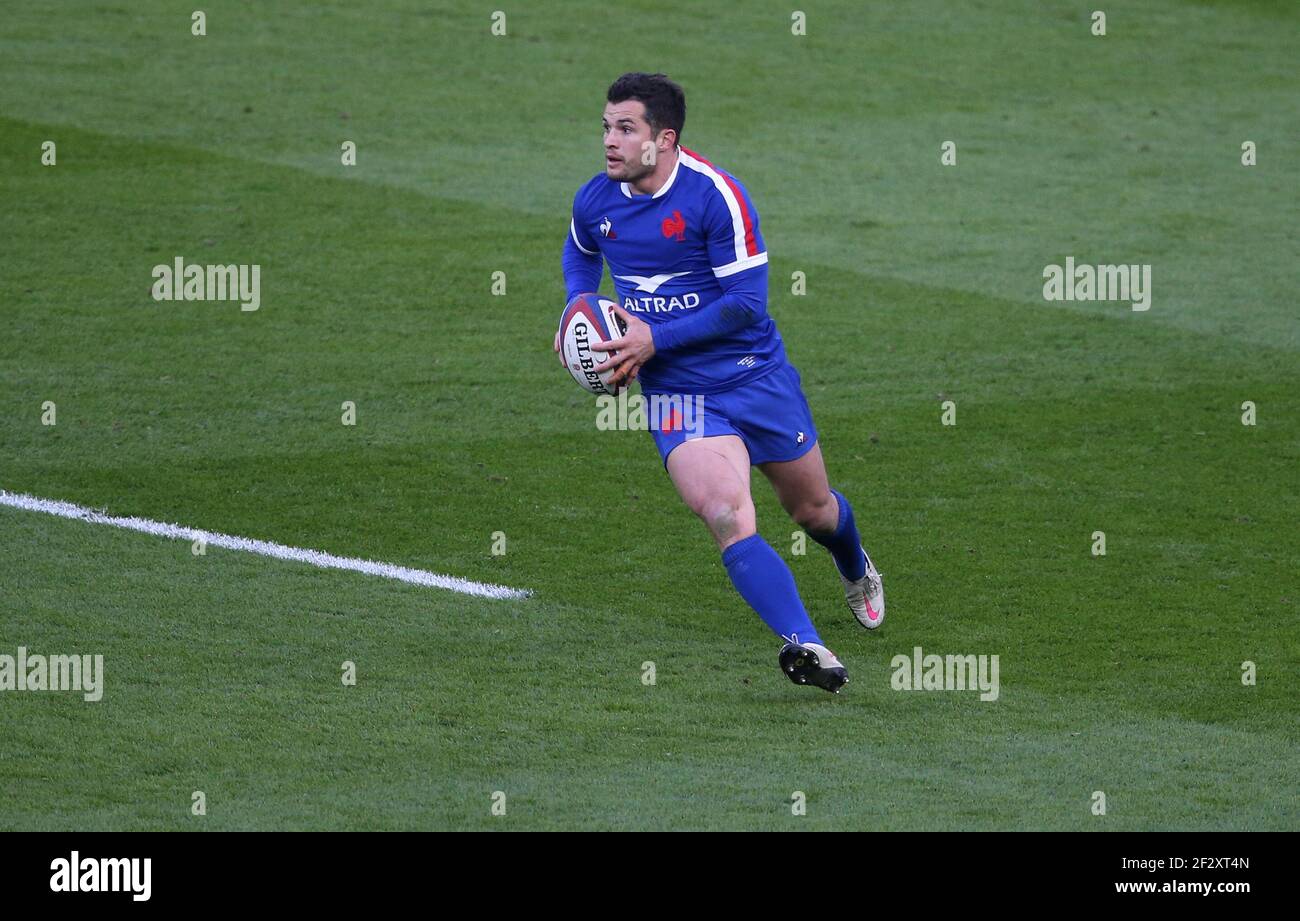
{"points": [[664, 101]]}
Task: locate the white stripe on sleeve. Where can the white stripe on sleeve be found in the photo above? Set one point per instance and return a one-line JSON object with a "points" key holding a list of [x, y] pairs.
{"points": [[740, 265], [573, 231]]}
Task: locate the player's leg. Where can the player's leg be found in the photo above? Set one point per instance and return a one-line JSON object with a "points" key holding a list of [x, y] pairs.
{"points": [[804, 492], [712, 477]]}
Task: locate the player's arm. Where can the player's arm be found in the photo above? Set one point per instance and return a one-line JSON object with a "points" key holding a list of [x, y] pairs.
{"points": [[581, 259], [582, 264], [739, 260], [743, 303]]}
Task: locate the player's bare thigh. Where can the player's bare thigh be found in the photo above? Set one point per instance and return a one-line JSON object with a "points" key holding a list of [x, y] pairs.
{"points": [[712, 477], [804, 491]]}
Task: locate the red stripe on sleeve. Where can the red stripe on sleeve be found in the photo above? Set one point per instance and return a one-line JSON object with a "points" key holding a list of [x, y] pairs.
{"points": [[751, 245]]}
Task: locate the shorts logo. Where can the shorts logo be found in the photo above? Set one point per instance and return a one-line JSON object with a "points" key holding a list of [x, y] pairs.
{"points": [[747, 361], [675, 226], [801, 439]]}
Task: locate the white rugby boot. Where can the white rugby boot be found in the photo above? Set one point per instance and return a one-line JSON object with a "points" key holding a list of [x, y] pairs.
{"points": [[866, 596]]}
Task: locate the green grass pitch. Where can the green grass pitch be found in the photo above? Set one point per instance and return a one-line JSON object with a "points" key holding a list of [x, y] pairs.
{"points": [[1119, 673]]}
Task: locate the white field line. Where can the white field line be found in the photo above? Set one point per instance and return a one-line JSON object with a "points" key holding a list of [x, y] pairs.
{"points": [[264, 548]]}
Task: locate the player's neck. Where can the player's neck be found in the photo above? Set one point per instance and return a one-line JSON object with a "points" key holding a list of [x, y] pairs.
{"points": [[654, 180]]}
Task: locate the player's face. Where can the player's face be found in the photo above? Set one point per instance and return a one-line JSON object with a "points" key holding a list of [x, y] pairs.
{"points": [[627, 138]]}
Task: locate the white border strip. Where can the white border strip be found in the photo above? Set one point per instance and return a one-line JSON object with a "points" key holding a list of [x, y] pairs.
{"points": [[264, 548]]}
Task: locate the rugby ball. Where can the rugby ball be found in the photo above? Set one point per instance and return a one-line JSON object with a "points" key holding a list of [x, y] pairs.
{"points": [[588, 320]]}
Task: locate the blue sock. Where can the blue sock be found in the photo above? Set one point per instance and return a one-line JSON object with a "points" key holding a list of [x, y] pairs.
{"points": [[844, 544], [765, 581]]}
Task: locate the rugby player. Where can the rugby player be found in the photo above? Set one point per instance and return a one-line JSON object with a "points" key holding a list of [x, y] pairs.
{"points": [[681, 237]]}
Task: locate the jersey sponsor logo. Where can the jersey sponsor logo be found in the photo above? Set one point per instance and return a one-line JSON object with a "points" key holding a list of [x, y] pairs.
{"points": [[607, 228], [650, 284], [675, 226], [661, 304]]}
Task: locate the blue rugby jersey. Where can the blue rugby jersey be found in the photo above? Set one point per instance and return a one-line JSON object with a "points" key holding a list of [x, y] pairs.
{"points": [[689, 260]]}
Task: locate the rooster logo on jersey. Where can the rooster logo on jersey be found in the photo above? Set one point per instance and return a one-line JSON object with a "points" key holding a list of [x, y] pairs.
{"points": [[675, 225], [607, 229]]}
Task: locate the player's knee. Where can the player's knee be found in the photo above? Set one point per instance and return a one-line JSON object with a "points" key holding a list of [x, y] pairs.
{"points": [[821, 514], [727, 519]]}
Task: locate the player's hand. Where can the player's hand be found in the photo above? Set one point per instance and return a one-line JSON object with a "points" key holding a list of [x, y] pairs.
{"points": [[557, 348], [635, 347]]}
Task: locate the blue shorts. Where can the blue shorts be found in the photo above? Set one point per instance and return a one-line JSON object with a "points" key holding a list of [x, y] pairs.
{"points": [[770, 414]]}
